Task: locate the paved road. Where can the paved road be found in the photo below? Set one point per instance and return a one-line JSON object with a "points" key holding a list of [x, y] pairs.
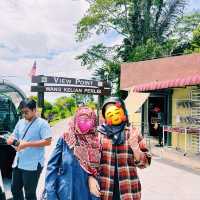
{"points": [[57, 130], [161, 181], [166, 182]]}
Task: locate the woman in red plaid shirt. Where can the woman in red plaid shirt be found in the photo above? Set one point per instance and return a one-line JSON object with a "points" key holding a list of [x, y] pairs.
{"points": [[123, 149]]}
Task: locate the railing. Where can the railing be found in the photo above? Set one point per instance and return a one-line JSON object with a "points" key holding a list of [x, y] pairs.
{"points": [[185, 139], [188, 135]]}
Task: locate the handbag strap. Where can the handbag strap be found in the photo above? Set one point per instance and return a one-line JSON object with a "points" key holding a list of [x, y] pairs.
{"points": [[28, 128]]}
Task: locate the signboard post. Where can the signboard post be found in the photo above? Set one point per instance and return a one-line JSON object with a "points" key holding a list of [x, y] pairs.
{"points": [[69, 85], [41, 99]]}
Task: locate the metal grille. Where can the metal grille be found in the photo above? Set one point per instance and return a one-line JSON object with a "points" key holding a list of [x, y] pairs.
{"points": [[195, 114], [188, 118], [194, 148]]}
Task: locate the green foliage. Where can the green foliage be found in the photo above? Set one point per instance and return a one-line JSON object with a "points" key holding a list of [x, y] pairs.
{"points": [[144, 25], [47, 105], [82, 98], [135, 20], [195, 43], [63, 114], [92, 104], [65, 104], [152, 50], [62, 108], [186, 26], [104, 61], [196, 38]]}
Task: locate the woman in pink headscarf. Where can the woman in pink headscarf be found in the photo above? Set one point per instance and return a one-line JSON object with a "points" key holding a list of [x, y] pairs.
{"points": [[78, 154]]}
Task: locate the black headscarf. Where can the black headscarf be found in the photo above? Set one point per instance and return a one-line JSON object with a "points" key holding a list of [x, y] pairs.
{"points": [[116, 133]]}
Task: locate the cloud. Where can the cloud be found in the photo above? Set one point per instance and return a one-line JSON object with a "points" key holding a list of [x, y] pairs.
{"points": [[42, 31], [37, 28]]}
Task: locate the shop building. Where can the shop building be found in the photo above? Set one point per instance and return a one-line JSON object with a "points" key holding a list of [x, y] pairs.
{"points": [[165, 92]]}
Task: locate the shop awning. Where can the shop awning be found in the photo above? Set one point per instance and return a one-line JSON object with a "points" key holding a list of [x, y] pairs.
{"points": [[135, 100], [158, 85]]}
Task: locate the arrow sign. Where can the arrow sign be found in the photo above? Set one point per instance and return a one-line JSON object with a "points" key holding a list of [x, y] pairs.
{"points": [[72, 89]]}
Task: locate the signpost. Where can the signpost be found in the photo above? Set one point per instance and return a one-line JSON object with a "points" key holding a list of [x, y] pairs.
{"points": [[69, 81], [71, 89], [71, 85]]}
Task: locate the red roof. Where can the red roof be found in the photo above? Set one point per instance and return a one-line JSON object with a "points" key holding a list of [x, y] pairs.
{"points": [[161, 73], [191, 80]]}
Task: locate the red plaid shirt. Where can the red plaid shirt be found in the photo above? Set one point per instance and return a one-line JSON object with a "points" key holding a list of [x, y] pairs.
{"points": [[129, 183]]}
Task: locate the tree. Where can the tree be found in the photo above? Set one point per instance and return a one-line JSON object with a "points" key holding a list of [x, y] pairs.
{"points": [[186, 26], [107, 59], [140, 23], [135, 20], [195, 43], [47, 104], [184, 32], [82, 98], [65, 104], [152, 50]]}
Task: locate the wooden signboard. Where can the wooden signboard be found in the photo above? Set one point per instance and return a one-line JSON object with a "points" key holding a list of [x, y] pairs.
{"points": [[72, 89], [69, 81]]}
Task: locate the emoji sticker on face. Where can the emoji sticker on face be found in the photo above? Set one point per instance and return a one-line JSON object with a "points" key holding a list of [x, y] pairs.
{"points": [[114, 115]]}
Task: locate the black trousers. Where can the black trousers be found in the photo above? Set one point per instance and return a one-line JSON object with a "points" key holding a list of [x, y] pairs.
{"points": [[116, 193], [27, 180]]}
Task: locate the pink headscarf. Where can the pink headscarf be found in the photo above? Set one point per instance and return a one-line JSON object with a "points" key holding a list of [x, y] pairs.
{"points": [[85, 143]]}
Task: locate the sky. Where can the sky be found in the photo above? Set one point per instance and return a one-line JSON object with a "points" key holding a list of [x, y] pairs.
{"points": [[44, 31]]}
